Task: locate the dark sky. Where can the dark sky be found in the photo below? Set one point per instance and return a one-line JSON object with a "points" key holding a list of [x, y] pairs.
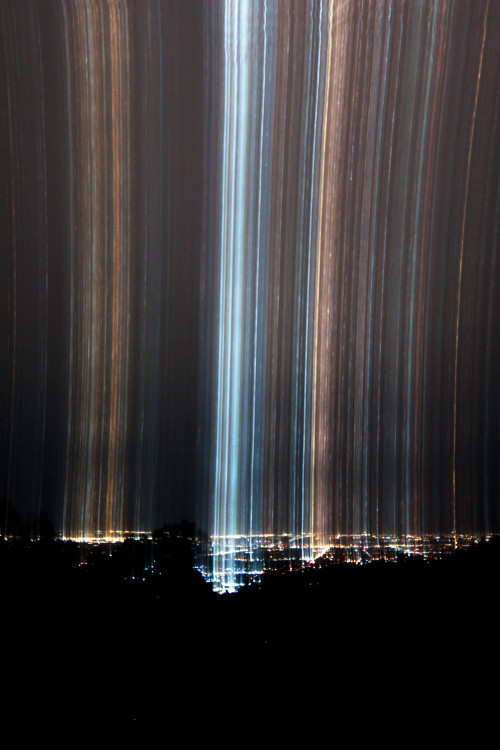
{"points": [[249, 267]]}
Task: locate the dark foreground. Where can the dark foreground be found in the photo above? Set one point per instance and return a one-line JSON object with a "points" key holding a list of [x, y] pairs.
{"points": [[353, 647]]}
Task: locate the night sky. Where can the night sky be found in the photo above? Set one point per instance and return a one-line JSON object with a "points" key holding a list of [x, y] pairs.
{"points": [[249, 265]]}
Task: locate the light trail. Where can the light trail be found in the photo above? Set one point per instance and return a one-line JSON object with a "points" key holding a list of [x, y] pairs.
{"points": [[352, 273], [249, 261], [460, 270], [98, 121]]}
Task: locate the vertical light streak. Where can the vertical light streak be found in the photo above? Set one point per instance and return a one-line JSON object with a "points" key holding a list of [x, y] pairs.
{"points": [[346, 173], [317, 538], [115, 324], [98, 63], [229, 466], [120, 252], [460, 268]]}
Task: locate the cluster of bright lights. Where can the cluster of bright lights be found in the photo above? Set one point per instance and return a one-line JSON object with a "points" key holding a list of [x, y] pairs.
{"points": [[116, 538], [357, 549]]}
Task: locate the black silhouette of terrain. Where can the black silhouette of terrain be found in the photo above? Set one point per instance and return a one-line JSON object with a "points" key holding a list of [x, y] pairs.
{"points": [[98, 637]]}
